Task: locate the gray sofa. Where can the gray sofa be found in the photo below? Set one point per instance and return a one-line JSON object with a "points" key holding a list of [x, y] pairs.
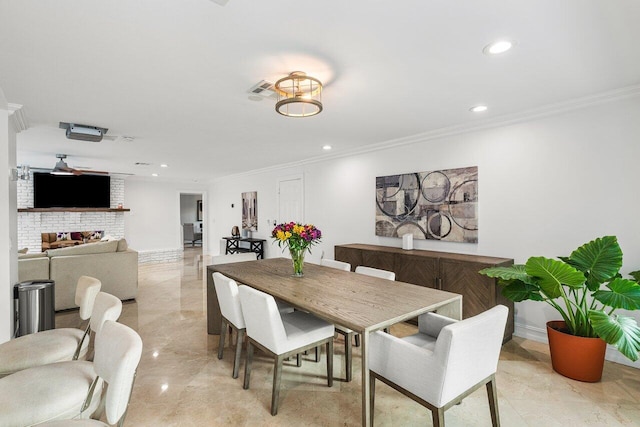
{"points": [[112, 262]]}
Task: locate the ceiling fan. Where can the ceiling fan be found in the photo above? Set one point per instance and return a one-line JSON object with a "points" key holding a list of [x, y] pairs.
{"points": [[62, 168]]}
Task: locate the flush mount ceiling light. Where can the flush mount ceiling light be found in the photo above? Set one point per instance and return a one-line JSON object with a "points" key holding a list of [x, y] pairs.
{"points": [[498, 47], [478, 108], [299, 95]]}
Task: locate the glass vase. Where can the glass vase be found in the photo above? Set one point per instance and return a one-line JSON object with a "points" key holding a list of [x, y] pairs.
{"points": [[297, 256]]}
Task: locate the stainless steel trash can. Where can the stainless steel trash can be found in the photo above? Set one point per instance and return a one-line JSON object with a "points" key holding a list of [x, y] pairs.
{"points": [[35, 310]]}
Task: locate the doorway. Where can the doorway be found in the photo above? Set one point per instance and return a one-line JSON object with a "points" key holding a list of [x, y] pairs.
{"points": [[191, 221]]}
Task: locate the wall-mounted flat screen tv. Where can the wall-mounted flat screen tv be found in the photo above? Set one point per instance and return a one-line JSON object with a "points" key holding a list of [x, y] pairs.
{"points": [[71, 191]]}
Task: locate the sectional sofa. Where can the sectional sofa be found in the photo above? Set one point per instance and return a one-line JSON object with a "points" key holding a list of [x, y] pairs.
{"points": [[112, 262]]}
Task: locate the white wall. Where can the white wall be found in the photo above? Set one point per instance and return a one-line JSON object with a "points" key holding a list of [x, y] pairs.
{"points": [[8, 215], [545, 187], [153, 224]]}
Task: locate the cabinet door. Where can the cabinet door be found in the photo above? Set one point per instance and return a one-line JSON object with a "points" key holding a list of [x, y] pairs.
{"points": [[378, 259], [462, 277], [350, 255], [418, 270]]}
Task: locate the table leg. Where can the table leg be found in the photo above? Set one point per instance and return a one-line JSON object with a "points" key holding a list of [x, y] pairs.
{"points": [[366, 402]]}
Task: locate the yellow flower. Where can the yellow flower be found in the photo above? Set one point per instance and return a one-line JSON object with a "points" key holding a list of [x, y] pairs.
{"points": [[298, 229], [280, 235], [287, 235]]}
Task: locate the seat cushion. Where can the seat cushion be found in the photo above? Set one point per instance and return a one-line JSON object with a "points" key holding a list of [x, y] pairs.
{"points": [[303, 329], [421, 340], [48, 392], [41, 348]]}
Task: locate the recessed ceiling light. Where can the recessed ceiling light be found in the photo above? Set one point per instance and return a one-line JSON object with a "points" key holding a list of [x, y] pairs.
{"points": [[498, 47], [326, 147], [478, 108], [154, 174], [164, 165]]}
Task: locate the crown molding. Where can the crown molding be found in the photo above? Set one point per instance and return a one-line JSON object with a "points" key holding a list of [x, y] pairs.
{"points": [[17, 117], [499, 121]]}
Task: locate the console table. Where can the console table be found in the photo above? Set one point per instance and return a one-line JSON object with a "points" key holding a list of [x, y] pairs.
{"points": [[255, 245], [451, 272]]}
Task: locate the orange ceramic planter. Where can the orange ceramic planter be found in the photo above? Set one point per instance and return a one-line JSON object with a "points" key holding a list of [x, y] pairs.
{"points": [[578, 358]]}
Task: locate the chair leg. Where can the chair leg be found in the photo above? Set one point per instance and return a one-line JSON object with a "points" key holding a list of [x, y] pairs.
{"points": [[330, 363], [298, 360], [492, 392], [372, 394], [236, 360], [277, 376], [247, 366], [317, 354], [348, 356], [437, 415], [223, 332], [357, 339]]}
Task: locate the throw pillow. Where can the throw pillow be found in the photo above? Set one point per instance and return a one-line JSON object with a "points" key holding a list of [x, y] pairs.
{"points": [[96, 235], [63, 236], [23, 250], [76, 235]]}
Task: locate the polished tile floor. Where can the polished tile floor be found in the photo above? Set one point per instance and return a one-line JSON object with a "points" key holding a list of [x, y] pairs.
{"points": [[181, 382]]}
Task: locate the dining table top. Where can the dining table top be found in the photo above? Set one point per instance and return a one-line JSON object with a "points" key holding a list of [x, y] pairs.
{"points": [[360, 302]]}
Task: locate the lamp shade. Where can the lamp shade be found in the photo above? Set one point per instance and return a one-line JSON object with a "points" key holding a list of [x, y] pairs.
{"points": [[299, 95]]}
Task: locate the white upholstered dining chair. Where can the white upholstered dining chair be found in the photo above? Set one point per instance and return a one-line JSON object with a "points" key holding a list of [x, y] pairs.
{"points": [[61, 390], [118, 353], [227, 293], [54, 345], [443, 363], [281, 335], [376, 272], [343, 330]]}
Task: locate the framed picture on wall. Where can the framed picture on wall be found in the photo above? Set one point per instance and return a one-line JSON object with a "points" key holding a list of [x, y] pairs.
{"points": [[199, 210], [250, 211]]}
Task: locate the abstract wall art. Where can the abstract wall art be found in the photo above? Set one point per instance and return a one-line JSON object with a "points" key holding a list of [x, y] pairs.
{"points": [[250, 211], [436, 205]]}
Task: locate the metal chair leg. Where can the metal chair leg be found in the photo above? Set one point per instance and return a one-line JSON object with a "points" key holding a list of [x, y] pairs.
{"points": [[236, 360], [223, 332], [330, 363], [298, 360], [357, 339], [247, 366], [317, 354], [277, 376], [492, 393]]}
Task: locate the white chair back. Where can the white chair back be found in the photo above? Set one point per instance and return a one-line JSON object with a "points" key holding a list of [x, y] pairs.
{"points": [[345, 266], [106, 307], [376, 272], [118, 351], [470, 349], [86, 291], [229, 300], [262, 318], [228, 259]]}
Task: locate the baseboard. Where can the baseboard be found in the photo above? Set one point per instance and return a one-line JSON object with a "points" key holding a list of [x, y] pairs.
{"points": [[540, 335]]}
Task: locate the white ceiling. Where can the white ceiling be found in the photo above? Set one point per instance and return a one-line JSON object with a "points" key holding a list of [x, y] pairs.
{"points": [[174, 74]]}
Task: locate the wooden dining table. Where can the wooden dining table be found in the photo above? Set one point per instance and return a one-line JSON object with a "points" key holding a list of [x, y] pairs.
{"points": [[359, 302]]}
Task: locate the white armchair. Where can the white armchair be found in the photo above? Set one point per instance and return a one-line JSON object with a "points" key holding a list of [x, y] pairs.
{"points": [[281, 336], [61, 390], [54, 345], [443, 363], [118, 352]]}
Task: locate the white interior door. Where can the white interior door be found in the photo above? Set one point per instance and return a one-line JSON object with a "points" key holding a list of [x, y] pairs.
{"points": [[290, 200]]}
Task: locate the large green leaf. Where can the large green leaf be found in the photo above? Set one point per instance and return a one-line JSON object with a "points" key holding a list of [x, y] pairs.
{"points": [[600, 260], [509, 273], [635, 275], [519, 291], [552, 274], [624, 293], [621, 331]]}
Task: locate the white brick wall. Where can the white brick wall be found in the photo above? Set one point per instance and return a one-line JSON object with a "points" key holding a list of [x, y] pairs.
{"points": [[163, 255], [32, 224]]}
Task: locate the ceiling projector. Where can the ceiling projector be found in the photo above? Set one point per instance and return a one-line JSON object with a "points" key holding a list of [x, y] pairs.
{"points": [[83, 132]]}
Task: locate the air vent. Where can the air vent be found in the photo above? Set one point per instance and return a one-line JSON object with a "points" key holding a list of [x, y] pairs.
{"points": [[263, 89], [142, 164]]}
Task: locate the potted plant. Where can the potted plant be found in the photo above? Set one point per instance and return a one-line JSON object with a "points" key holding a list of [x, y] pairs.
{"points": [[573, 285]]}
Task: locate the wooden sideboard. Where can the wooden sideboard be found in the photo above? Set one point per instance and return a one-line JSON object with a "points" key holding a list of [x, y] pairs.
{"points": [[441, 270]]}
